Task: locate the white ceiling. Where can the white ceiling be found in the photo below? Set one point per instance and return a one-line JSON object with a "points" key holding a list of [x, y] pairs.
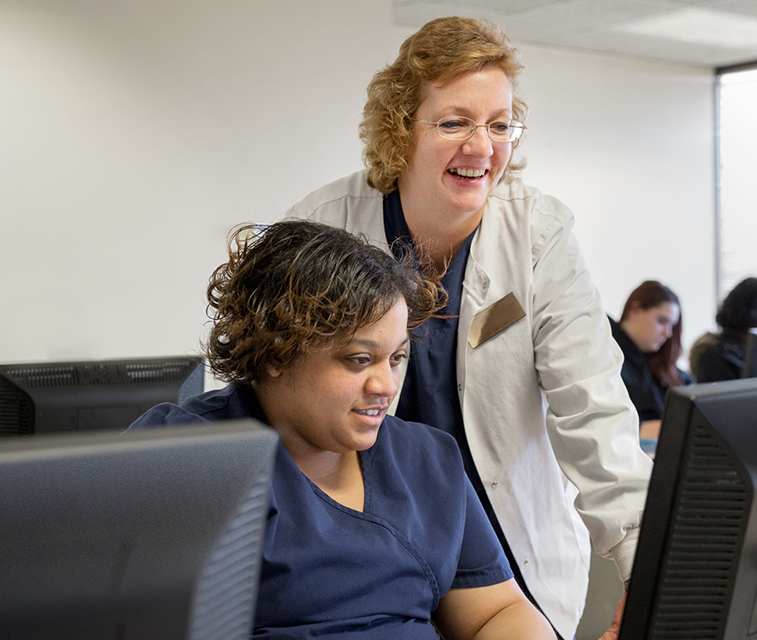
{"points": [[701, 33]]}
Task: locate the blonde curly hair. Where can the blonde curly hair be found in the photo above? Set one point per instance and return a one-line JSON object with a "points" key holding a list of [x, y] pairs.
{"points": [[441, 50]]}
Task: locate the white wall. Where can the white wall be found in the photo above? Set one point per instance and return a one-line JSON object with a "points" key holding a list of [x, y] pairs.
{"points": [[629, 147], [133, 135]]}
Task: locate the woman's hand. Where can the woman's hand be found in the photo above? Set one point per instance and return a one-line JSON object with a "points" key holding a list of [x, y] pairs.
{"points": [[497, 611], [614, 630], [649, 429]]}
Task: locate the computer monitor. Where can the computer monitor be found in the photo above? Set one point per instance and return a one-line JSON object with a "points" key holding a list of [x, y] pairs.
{"points": [[89, 395], [695, 571], [749, 370], [154, 534]]}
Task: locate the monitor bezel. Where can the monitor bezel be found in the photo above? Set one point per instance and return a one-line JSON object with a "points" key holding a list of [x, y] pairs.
{"points": [[201, 488], [686, 408]]}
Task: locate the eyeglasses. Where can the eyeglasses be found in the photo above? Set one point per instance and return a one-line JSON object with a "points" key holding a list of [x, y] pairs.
{"points": [[459, 128]]}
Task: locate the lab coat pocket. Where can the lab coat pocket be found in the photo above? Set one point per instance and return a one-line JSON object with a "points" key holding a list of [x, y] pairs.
{"points": [[494, 319]]}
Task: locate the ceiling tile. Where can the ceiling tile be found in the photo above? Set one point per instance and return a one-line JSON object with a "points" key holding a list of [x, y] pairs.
{"points": [[596, 14], [509, 7], [591, 25]]}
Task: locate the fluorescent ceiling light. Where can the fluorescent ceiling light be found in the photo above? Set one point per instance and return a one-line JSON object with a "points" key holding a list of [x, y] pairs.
{"points": [[700, 26]]}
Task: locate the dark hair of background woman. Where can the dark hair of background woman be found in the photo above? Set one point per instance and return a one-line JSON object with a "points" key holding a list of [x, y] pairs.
{"points": [[738, 312], [662, 363]]}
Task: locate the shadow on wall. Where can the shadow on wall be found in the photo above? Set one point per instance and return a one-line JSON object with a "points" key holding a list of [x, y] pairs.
{"points": [[605, 590]]}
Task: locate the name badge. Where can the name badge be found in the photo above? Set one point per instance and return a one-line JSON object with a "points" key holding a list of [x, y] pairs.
{"points": [[495, 318]]}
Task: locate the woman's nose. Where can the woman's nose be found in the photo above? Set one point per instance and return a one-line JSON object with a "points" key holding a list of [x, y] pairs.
{"points": [[479, 144], [383, 381]]}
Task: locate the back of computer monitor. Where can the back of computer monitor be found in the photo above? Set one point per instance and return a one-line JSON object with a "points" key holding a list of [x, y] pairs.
{"points": [[749, 369], [695, 571], [153, 534], [55, 397]]}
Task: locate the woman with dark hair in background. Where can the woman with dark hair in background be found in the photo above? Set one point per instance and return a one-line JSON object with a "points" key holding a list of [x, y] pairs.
{"points": [[724, 358], [649, 333]]}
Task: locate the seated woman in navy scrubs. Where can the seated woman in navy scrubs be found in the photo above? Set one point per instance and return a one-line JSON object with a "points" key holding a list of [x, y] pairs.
{"points": [[374, 530]]}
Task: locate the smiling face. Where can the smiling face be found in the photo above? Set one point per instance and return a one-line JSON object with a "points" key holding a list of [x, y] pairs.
{"points": [[335, 399], [450, 180], [650, 328]]}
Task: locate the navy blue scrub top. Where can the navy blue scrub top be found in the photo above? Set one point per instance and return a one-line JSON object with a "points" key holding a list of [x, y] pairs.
{"points": [[429, 393], [329, 571]]}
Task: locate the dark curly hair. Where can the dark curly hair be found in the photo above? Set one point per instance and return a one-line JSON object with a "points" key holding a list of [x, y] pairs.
{"points": [[738, 312], [298, 285]]}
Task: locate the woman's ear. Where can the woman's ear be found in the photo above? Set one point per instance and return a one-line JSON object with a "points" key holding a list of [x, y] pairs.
{"points": [[634, 308], [273, 371]]}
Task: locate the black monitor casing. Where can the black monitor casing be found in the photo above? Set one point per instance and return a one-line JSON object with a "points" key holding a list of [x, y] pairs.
{"points": [[695, 571], [749, 370], [91, 395], [154, 534]]}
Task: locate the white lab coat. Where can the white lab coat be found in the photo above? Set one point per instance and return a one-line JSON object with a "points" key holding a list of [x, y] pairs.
{"points": [[551, 429]]}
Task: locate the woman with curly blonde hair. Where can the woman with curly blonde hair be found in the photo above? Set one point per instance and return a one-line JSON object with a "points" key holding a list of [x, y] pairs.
{"points": [[373, 529], [395, 93], [522, 369]]}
